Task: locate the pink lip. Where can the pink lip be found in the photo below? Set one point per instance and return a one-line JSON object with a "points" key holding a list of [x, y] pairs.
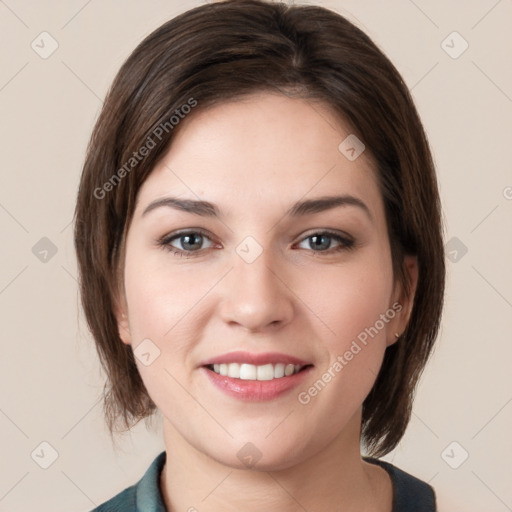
{"points": [[255, 359], [255, 390]]}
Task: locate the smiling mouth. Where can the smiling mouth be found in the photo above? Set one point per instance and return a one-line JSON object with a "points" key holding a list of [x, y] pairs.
{"points": [[244, 371]]}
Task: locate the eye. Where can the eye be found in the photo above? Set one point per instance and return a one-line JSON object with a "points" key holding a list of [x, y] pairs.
{"points": [[322, 242], [187, 241]]}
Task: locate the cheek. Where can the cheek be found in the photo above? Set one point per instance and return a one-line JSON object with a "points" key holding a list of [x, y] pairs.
{"points": [[159, 311], [164, 304], [348, 299], [162, 296], [353, 304]]}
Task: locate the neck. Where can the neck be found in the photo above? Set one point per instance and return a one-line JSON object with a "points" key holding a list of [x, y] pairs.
{"points": [[334, 478]]}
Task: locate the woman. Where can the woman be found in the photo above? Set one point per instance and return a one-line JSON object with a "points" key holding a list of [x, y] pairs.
{"points": [[258, 233]]}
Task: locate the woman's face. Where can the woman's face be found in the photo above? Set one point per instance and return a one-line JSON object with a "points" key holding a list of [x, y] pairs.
{"points": [[262, 278]]}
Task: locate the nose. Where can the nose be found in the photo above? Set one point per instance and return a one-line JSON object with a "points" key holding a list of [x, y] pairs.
{"points": [[255, 295]]}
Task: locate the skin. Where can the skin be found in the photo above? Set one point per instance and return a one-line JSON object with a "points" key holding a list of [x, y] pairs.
{"points": [[254, 158]]}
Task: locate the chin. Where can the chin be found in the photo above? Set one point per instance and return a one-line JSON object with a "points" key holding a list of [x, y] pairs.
{"points": [[261, 454]]}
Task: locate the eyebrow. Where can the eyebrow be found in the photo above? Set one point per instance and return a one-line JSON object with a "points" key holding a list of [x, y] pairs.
{"points": [[300, 208]]}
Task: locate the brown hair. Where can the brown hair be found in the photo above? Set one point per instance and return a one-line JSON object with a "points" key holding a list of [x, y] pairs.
{"points": [[219, 52]]}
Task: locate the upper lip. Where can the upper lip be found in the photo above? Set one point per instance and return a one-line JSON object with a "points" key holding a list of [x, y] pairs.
{"points": [[254, 359]]}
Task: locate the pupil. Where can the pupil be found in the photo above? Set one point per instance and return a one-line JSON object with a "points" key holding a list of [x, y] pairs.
{"points": [[317, 241], [188, 243]]}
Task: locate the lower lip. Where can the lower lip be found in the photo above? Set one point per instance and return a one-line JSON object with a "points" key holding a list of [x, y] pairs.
{"points": [[256, 390]]}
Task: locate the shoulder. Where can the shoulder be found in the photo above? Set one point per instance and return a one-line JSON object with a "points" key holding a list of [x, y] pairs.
{"points": [[410, 494], [144, 495], [123, 502]]}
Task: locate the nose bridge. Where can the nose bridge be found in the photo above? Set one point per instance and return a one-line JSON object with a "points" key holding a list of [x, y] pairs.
{"points": [[255, 296]]}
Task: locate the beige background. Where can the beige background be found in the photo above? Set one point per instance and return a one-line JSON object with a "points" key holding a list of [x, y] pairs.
{"points": [[50, 377]]}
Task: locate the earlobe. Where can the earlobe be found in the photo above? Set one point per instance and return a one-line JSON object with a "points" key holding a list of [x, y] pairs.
{"points": [[123, 325], [405, 298]]}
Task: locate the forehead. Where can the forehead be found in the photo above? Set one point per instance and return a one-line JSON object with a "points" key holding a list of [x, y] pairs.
{"points": [[264, 151]]}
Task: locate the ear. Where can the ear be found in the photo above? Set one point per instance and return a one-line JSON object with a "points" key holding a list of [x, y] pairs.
{"points": [[123, 325], [402, 301]]}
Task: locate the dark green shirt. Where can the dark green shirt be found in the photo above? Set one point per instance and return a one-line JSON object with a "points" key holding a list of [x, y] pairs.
{"points": [[409, 493]]}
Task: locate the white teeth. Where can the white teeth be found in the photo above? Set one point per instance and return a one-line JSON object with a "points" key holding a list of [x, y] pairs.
{"points": [[234, 370], [265, 372], [245, 371], [279, 370]]}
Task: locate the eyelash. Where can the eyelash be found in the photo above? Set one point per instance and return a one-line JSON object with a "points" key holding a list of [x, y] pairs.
{"points": [[346, 243]]}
